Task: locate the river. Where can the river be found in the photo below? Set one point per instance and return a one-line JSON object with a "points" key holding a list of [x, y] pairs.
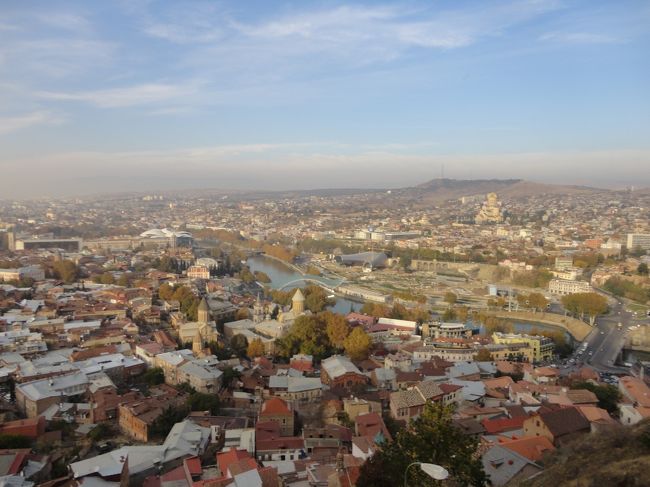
{"points": [[282, 275]]}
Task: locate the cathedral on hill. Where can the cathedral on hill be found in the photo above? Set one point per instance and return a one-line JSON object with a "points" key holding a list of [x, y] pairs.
{"points": [[490, 212]]}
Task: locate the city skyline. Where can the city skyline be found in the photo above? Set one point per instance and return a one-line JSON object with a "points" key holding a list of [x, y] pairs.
{"points": [[158, 96]]}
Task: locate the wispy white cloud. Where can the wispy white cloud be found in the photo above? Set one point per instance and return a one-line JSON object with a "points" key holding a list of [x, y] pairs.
{"points": [[19, 122], [143, 94], [68, 21], [58, 57], [347, 35], [580, 38]]}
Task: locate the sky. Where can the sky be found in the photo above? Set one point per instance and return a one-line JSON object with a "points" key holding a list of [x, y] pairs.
{"points": [[143, 95]]}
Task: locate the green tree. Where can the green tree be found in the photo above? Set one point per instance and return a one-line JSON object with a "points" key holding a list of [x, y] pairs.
{"points": [[229, 375], [432, 438], [239, 344], [14, 441], [199, 401], [642, 269], [167, 264], [154, 376], [101, 432], [357, 344], [65, 270], [608, 395], [165, 422]]}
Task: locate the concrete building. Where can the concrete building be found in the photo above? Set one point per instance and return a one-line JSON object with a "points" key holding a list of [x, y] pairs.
{"points": [[566, 286], [32, 398], [278, 411], [542, 347], [638, 240], [339, 371], [198, 272], [34, 272]]}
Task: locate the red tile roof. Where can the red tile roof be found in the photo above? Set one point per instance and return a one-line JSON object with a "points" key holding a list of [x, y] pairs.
{"points": [[275, 406], [533, 448], [225, 459], [493, 426]]}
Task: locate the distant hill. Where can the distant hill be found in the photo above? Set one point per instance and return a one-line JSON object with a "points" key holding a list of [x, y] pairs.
{"points": [[438, 190]]}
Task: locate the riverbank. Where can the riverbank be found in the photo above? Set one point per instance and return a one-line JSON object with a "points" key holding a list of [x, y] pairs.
{"points": [[574, 327]]}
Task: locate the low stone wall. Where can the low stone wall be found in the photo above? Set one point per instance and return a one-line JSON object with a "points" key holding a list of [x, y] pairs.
{"points": [[578, 329]]}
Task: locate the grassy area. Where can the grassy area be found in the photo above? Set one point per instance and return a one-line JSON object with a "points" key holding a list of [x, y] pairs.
{"points": [[637, 308]]}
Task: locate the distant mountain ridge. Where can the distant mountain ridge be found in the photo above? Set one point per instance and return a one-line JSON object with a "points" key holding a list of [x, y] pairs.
{"points": [[440, 189]]}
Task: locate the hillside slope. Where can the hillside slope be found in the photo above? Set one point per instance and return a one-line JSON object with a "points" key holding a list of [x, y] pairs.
{"points": [[618, 456]]}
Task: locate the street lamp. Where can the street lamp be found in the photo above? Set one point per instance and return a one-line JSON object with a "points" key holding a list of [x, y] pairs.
{"points": [[434, 471]]}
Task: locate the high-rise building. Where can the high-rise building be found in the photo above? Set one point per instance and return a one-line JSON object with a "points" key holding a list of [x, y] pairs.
{"points": [[638, 240]]}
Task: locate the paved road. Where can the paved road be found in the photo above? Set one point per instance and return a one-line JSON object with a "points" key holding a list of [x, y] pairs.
{"points": [[605, 342]]}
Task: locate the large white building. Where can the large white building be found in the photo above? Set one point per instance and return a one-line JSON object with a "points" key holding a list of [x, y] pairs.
{"points": [[33, 272], [638, 240], [567, 286]]}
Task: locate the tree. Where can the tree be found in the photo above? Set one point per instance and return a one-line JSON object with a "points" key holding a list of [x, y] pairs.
{"points": [[107, 278], [262, 277], [448, 315], [608, 395], [376, 310], [101, 431], [165, 291], [165, 422], [242, 314], [450, 298], [14, 441], [316, 299], [239, 344], [199, 401], [255, 348], [431, 438], [581, 304], [65, 270], [154, 376], [642, 269], [229, 375], [357, 344], [336, 327], [124, 280], [537, 301], [483, 355]]}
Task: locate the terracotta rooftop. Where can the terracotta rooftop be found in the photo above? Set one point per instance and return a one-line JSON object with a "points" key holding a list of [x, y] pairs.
{"points": [[275, 406]]}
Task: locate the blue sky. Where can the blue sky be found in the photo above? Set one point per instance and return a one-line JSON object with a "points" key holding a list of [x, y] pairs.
{"points": [[114, 96]]}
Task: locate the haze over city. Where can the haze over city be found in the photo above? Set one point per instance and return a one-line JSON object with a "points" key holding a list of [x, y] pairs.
{"points": [[365, 243], [140, 95]]}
